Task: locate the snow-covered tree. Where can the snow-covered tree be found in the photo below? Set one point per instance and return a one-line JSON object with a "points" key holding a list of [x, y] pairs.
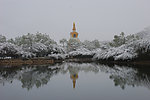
{"points": [[9, 50], [30, 45], [30, 39], [63, 42], [39, 44], [131, 38], [2, 39], [137, 47], [11, 41], [118, 40], [91, 45], [73, 45]]}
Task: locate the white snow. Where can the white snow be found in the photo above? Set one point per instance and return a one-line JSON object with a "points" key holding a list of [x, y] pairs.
{"points": [[41, 45], [127, 51], [80, 51], [57, 56]]}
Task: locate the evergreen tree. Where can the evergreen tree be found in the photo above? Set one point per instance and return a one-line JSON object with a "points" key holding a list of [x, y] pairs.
{"points": [[63, 42], [2, 39]]}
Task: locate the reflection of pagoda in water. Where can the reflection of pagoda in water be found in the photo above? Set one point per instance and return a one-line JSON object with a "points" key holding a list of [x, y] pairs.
{"points": [[73, 75]]}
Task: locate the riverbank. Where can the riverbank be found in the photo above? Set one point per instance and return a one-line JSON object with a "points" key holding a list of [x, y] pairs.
{"points": [[33, 61], [43, 61]]}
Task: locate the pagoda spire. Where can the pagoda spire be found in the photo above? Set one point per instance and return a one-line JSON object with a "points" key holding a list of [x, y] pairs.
{"points": [[74, 28]]}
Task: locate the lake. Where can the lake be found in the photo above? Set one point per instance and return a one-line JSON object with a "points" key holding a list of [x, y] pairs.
{"points": [[75, 81]]}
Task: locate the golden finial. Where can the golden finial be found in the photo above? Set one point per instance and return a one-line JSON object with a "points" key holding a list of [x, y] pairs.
{"points": [[74, 28]]}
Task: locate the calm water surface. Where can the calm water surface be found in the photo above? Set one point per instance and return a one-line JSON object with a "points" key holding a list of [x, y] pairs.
{"points": [[74, 81]]}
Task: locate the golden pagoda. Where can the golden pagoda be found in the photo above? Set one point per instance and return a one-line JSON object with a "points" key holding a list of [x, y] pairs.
{"points": [[74, 41], [74, 34]]}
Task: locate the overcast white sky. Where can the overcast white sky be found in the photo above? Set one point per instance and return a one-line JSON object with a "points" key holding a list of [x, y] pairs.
{"points": [[95, 19]]}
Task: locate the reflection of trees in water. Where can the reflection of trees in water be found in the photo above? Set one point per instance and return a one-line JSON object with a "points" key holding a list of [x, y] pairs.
{"points": [[7, 74], [38, 76], [127, 76], [28, 75], [121, 75], [85, 67]]}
